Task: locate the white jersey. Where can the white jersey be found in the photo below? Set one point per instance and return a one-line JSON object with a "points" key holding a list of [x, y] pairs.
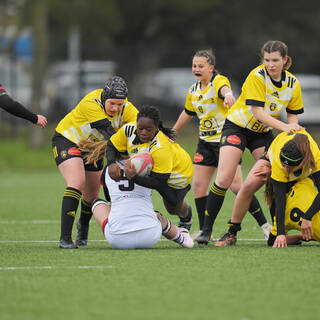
{"points": [[131, 206]]}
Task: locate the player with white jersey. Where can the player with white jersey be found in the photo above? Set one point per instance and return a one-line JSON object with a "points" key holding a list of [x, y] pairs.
{"points": [[131, 222], [172, 166]]}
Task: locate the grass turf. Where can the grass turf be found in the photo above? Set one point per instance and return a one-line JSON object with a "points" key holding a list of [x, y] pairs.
{"points": [[40, 281]]}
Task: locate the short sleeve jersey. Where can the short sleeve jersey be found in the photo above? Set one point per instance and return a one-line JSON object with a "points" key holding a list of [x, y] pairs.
{"points": [[277, 172], [298, 201], [76, 124], [208, 107], [167, 156], [261, 91]]}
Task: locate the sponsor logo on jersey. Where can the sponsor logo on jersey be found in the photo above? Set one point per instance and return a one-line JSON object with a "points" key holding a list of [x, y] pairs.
{"points": [[275, 94], [234, 140], [198, 157], [74, 151]]}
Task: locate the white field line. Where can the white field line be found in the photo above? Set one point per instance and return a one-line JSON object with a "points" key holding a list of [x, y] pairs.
{"points": [[53, 267], [102, 240]]}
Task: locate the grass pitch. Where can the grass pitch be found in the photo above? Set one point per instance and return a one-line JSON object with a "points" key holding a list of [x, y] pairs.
{"points": [[40, 281]]}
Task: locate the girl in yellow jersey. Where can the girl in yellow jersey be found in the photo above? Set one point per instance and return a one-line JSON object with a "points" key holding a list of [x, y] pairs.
{"points": [[97, 116], [172, 167], [268, 89], [292, 157], [209, 99], [298, 201]]}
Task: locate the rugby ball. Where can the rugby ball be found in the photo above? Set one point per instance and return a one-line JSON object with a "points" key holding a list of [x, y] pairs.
{"points": [[142, 163]]}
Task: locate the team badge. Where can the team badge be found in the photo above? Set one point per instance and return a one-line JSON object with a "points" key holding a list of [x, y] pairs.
{"points": [[234, 140], [198, 157], [63, 154]]}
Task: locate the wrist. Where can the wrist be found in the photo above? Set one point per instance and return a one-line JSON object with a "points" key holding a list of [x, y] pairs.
{"points": [[228, 94]]}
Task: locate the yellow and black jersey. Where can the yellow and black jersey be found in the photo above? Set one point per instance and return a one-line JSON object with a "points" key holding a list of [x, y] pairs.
{"points": [[277, 172], [261, 91], [76, 125], [209, 107], [298, 201], [167, 156]]}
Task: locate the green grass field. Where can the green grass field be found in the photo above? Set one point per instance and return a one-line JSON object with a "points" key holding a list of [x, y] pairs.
{"points": [[40, 281]]}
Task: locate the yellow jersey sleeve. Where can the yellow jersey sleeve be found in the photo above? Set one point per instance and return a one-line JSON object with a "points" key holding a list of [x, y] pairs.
{"points": [[130, 113], [119, 139], [219, 82], [254, 89], [162, 160], [296, 104]]}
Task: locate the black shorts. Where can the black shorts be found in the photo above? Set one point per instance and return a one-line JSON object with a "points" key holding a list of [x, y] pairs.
{"points": [[64, 149], [174, 196], [241, 138], [207, 153]]}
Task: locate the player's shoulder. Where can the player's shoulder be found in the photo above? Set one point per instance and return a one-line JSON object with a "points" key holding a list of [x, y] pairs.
{"points": [[194, 87], [129, 129], [291, 79], [259, 72]]}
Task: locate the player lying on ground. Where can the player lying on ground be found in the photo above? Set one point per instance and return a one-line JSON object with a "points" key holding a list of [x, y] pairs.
{"points": [[131, 222]]}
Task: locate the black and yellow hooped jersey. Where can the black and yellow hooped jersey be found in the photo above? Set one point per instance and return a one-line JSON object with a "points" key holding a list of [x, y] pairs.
{"points": [[167, 156], [260, 90], [277, 171], [298, 201], [76, 124], [209, 107]]}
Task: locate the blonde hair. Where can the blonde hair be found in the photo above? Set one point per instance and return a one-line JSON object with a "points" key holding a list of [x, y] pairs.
{"points": [[93, 151]]}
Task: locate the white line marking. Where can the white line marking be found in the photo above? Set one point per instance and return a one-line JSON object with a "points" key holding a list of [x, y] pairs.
{"points": [[56, 241], [53, 267]]}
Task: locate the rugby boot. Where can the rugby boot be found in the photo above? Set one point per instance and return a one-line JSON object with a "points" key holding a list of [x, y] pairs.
{"points": [[67, 244], [228, 239], [203, 237]]}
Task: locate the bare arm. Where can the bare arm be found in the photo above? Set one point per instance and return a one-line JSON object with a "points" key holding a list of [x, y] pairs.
{"points": [[265, 118], [229, 99], [183, 120]]}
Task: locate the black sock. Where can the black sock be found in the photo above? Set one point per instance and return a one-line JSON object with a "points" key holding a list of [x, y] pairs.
{"points": [[69, 208], [234, 227], [256, 211], [214, 204], [201, 204], [86, 213]]}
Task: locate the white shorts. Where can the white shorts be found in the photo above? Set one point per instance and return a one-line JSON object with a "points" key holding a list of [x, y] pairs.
{"points": [[140, 239]]}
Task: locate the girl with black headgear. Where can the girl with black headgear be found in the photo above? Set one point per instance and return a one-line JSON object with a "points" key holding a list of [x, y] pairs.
{"points": [[97, 116], [292, 157]]}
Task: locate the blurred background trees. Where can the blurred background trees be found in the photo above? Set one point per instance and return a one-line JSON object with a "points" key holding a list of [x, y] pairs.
{"points": [[137, 38]]}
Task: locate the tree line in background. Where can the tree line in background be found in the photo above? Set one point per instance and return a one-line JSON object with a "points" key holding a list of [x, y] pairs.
{"points": [[142, 35]]}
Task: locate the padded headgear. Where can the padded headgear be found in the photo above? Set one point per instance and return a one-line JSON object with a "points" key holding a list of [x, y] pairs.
{"points": [[115, 88], [290, 155]]}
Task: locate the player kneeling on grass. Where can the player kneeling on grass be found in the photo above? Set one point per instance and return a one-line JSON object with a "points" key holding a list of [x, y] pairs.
{"points": [[299, 199], [131, 222]]}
